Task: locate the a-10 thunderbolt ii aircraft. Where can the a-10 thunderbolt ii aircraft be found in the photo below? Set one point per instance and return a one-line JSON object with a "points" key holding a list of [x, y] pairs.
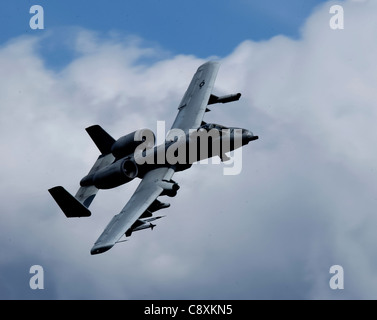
{"points": [[190, 139]]}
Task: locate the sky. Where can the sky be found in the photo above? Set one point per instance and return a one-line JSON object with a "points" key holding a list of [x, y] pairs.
{"points": [[304, 201]]}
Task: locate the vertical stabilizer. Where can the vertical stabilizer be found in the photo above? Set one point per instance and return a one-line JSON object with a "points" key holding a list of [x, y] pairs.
{"points": [[101, 138]]}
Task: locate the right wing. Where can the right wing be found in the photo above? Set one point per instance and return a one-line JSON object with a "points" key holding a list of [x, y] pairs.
{"points": [[152, 185], [194, 102]]}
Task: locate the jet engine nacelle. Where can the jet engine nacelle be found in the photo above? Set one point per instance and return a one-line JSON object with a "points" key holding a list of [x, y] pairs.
{"points": [[118, 173], [127, 144]]}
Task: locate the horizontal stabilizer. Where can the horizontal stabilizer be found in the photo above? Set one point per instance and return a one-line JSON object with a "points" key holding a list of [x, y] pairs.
{"points": [[101, 138], [71, 207]]}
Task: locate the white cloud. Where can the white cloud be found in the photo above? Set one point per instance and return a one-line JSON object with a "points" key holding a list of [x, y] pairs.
{"points": [[305, 199]]}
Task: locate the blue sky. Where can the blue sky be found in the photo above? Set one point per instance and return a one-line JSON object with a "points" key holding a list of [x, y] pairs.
{"points": [[304, 201], [203, 28]]}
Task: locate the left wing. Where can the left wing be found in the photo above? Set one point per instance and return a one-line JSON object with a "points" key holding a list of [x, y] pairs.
{"points": [[153, 185]]}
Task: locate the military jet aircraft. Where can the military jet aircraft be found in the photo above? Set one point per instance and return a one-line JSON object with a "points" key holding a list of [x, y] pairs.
{"points": [[136, 156]]}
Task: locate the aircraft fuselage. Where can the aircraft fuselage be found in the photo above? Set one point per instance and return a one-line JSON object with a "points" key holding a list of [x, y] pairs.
{"points": [[179, 151]]}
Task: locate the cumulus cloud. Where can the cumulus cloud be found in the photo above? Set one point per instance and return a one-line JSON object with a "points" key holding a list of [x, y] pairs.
{"points": [[305, 199]]}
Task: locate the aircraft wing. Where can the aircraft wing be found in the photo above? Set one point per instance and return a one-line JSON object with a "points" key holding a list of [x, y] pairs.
{"points": [[195, 101], [152, 185]]}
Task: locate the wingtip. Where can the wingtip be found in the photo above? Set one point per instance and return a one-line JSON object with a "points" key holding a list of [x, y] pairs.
{"points": [[210, 63], [100, 249]]}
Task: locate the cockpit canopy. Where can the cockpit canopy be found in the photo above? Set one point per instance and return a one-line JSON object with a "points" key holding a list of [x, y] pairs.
{"points": [[210, 126]]}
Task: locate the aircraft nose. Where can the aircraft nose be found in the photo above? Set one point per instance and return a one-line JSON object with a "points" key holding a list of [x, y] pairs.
{"points": [[248, 136]]}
